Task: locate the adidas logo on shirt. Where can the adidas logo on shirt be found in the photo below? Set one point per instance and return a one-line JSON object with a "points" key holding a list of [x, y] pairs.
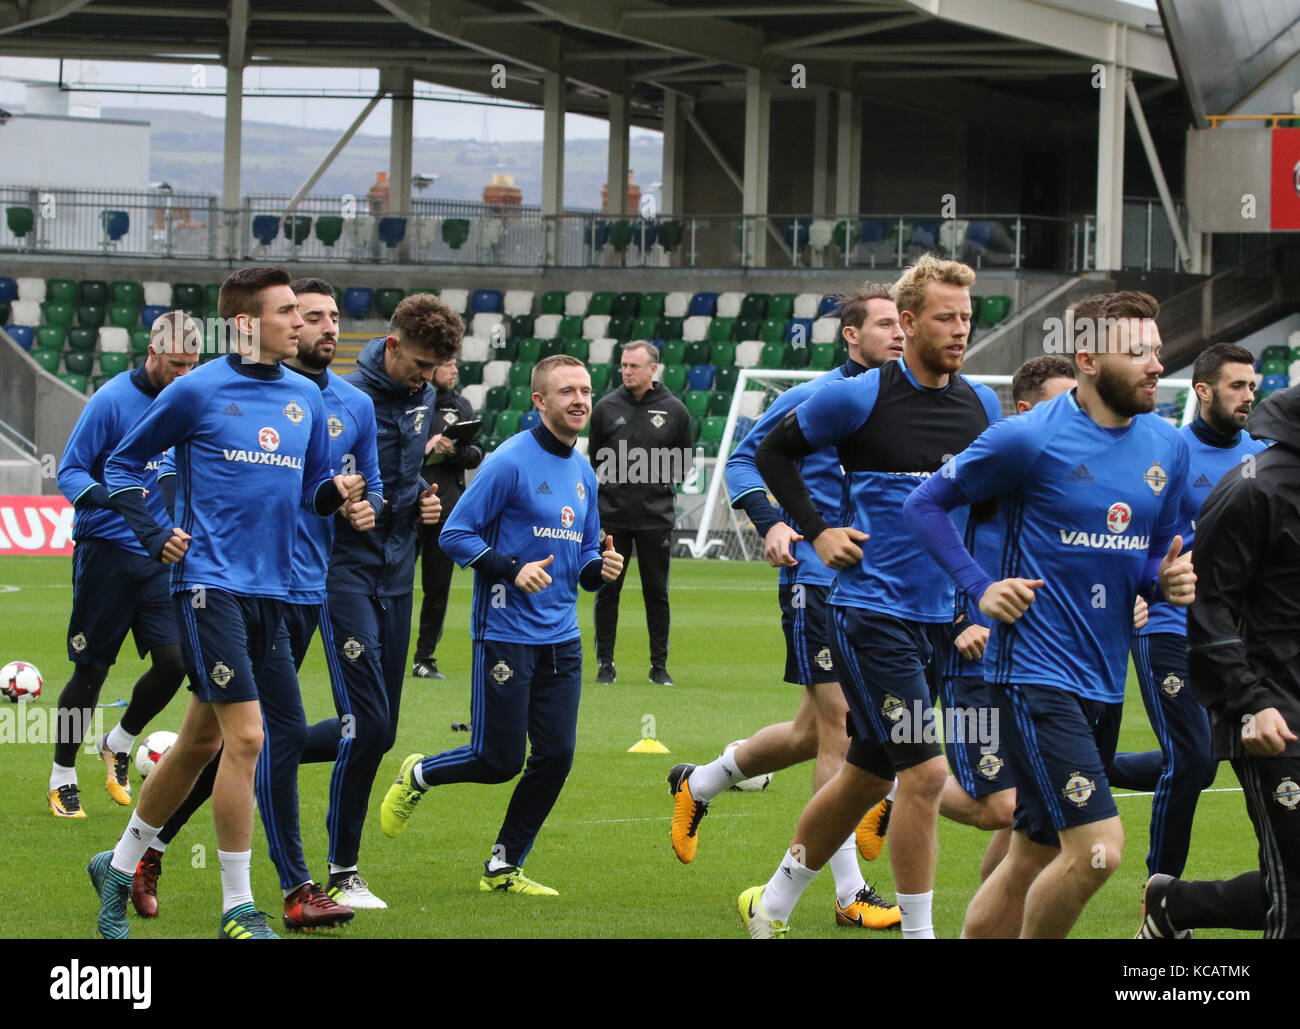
{"points": [[544, 490], [1203, 482], [1081, 474], [234, 411]]}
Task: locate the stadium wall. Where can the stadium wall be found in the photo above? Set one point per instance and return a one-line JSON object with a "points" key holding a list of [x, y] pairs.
{"points": [[40, 408]]}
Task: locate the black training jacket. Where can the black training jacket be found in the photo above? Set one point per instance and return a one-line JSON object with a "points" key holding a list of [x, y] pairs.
{"points": [[1243, 631], [448, 470]]}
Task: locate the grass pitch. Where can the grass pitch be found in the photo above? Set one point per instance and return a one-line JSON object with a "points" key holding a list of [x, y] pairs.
{"points": [[605, 846]]}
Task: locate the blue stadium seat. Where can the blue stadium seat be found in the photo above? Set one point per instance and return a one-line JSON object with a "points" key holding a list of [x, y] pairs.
{"points": [[743, 425], [1271, 383], [873, 231], [356, 301], [486, 301], [790, 331], [704, 304], [802, 241], [827, 307], [392, 230], [529, 420], [116, 224], [701, 377], [8, 289], [265, 228], [22, 335], [150, 313]]}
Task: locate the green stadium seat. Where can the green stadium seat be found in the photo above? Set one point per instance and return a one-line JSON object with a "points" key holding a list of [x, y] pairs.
{"points": [[697, 352], [505, 348], [825, 356], [123, 292], [297, 227], [601, 303], [674, 377], [51, 337], [491, 442], [488, 418], [720, 329], [724, 380], [138, 360], [976, 306], [57, 312], [520, 374], [47, 359], [579, 348], [1272, 366], [82, 338], [62, 291], [91, 315], [620, 328], [994, 310], [530, 350], [780, 305], [189, 297], [571, 326], [672, 352], [754, 307], [212, 291], [697, 402], [139, 341], [124, 316], [553, 302], [94, 291], [773, 331], [21, 220], [1295, 354], [695, 427], [507, 423], [711, 429], [112, 364], [627, 305], [706, 448], [599, 376], [722, 354], [646, 328], [76, 381], [521, 399], [652, 305], [387, 299], [329, 227], [745, 328], [719, 403], [520, 325], [470, 373], [498, 397], [551, 347], [671, 327], [79, 361], [798, 358], [1276, 353], [773, 355]]}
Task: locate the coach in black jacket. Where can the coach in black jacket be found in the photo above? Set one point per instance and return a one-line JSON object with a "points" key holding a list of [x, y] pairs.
{"points": [[446, 461], [1243, 636], [640, 447]]}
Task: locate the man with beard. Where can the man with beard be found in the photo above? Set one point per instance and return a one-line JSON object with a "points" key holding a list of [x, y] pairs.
{"points": [[1090, 485], [890, 609], [1224, 379]]}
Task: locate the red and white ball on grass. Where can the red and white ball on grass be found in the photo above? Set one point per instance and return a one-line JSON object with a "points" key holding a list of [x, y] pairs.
{"points": [[20, 680], [758, 782], [150, 752]]}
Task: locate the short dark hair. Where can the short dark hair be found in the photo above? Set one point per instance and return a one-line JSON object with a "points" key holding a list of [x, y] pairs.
{"points": [[651, 350], [1103, 308], [542, 369], [1027, 382], [239, 293], [852, 308], [424, 321], [1210, 361], [312, 286]]}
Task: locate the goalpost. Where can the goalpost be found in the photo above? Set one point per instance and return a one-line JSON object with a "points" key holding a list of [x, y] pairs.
{"points": [[710, 527]]}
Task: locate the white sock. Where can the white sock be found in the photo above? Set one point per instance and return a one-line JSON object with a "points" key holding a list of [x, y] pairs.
{"points": [[918, 924], [786, 887], [707, 781], [290, 892], [119, 741], [159, 846], [892, 790], [61, 776], [848, 876], [236, 888], [417, 778], [340, 870], [498, 861], [138, 838]]}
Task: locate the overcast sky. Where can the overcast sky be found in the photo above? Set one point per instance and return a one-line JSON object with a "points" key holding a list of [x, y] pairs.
{"points": [[434, 119]]}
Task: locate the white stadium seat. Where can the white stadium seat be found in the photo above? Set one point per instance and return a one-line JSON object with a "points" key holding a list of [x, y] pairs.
{"points": [[475, 348], [806, 304], [748, 353], [31, 289], [114, 340], [576, 302], [518, 301], [826, 330], [546, 326], [456, 299], [25, 312], [696, 328], [677, 304], [481, 324], [496, 373], [158, 294], [601, 351], [751, 403], [729, 304], [476, 395], [594, 326]]}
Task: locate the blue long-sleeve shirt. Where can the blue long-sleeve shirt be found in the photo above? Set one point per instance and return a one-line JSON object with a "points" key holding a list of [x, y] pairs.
{"points": [[532, 497], [251, 447]]}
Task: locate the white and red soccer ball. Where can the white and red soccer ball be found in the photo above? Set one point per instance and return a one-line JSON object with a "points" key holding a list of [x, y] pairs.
{"points": [[20, 681], [150, 752]]}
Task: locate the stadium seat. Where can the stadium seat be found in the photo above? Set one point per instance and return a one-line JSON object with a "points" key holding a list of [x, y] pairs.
{"points": [[189, 297], [571, 326], [697, 402], [1276, 353], [719, 330], [626, 305], [455, 231], [392, 230], [140, 341], [469, 373], [212, 293], [386, 300], [697, 352], [754, 307], [743, 427], [75, 381], [553, 302], [748, 353], [547, 326], [5, 311], [722, 355], [520, 374], [486, 301], [521, 325], [517, 302], [797, 356], [507, 423], [149, 314], [599, 376], [994, 309], [729, 305], [23, 335], [1273, 383], [696, 327], [34, 289], [647, 327], [711, 429], [781, 305], [47, 359], [50, 337], [329, 227], [114, 339], [297, 227], [529, 419], [476, 394], [675, 376], [8, 289], [529, 349], [601, 303], [706, 448], [91, 315], [671, 326], [824, 330], [579, 348], [265, 228], [550, 347], [773, 355], [752, 404], [521, 398], [826, 307], [596, 326], [726, 379], [1272, 366], [799, 331], [677, 305], [701, 377], [497, 373], [652, 305], [704, 304], [93, 291], [476, 349], [620, 328], [59, 291], [52, 312], [124, 292], [773, 331], [79, 361], [673, 351], [498, 397], [124, 316], [484, 323], [456, 299], [825, 356], [576, 302], [356, 301], [20, 220], [82, 338], [976, 306], [112, 364], [620, 235], [602, 351], [719, 402], [116, 225]]}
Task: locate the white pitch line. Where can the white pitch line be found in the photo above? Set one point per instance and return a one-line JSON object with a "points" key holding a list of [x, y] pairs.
{"points": [[1143, 793], [657, 818]]}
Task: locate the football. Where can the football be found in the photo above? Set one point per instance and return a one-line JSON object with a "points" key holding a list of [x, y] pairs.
{"points": [[20, 681], [155, 745], [758, 782]]}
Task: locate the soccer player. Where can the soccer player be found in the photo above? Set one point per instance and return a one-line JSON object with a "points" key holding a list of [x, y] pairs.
{"points": [[115, 585], [1090, 485], [252, 445], [371, 578], [1223, 377], [872, 334], [891, 610], [529, 526]]}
